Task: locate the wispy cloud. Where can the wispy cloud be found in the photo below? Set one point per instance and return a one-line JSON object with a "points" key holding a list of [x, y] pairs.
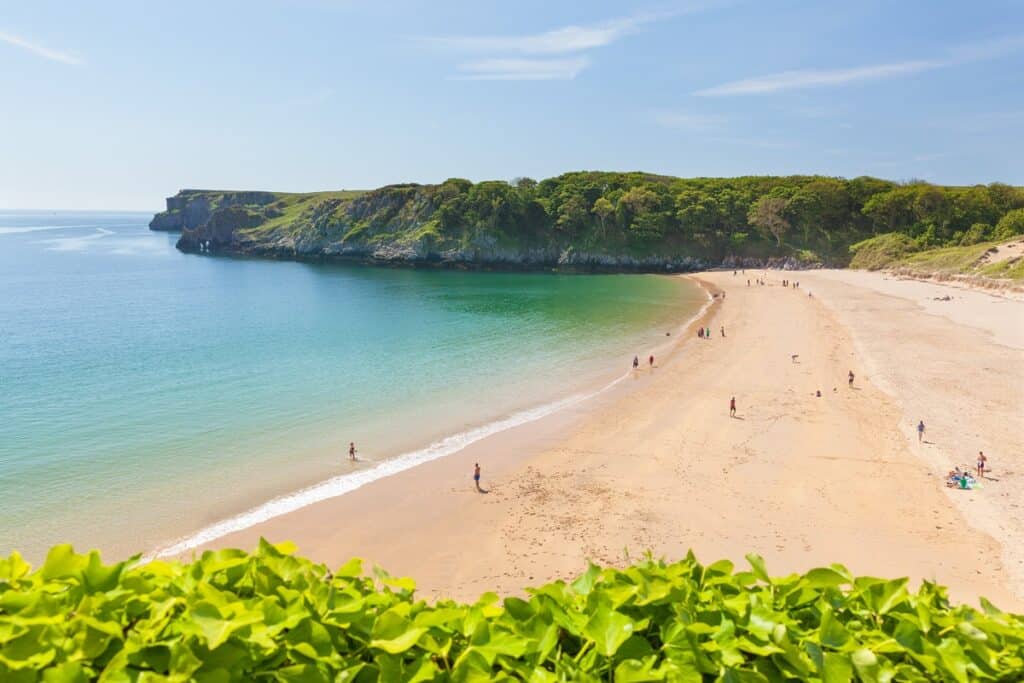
{"points": [[559, 41], [536, 55], [807, 78], [39, 50], [521, 69], [815, 78]]}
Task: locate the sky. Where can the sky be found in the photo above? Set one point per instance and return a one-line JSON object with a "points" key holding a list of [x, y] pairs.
{"points": [[116, 105]]}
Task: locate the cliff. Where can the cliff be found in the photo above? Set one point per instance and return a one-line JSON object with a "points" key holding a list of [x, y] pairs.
{"points": [[586, 221]]}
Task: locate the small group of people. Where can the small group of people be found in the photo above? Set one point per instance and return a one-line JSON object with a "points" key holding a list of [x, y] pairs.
{"points": [[787, 283], [705, 332], [961, 478], [636, 361]]}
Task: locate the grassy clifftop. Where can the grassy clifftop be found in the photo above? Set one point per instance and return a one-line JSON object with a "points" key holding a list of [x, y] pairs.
{"points": [[597, 219], [994, 264]]}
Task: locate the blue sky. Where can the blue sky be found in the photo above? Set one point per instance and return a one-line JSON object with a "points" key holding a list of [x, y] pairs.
{"points": [[116, 105]]}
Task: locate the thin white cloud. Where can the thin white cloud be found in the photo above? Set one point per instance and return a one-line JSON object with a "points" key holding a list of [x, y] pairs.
{"points": [[534, 55], [39, 50], [808, 78], [814, 78], [522, 69], [559, 41]]}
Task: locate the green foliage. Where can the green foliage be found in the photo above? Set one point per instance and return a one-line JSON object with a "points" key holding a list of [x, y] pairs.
{"points": [[645, 214], [231, 616], [881, 251], [976, 234], [1010, 225]]}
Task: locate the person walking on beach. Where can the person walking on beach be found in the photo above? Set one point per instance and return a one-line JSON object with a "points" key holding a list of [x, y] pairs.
{"points": [[476, 476], [732, 407], [920, 430], [352, 451], [849, 382], [981, 464], [650, 361], [636, 362], [700, 332], [707, 333], [723, 331]]}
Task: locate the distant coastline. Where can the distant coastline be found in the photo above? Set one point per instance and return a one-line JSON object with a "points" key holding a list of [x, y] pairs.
{"points": [[604, 222]]}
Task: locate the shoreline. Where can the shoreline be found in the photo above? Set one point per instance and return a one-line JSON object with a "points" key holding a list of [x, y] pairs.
{"points": [[342, 484], [655, 467]]}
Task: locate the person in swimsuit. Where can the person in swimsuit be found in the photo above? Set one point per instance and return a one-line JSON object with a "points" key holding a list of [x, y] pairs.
{"points": [[352, 450], [920, 431], [849, 383], [732, 407], [650, 361], [700, 332], [476, 475], [636, 362], [723, 330], [981, 464]]}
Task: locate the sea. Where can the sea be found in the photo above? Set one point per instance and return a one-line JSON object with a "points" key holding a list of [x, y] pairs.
{"points": [[151, 400]]}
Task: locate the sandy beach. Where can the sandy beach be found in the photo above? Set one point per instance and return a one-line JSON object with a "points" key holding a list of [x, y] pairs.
{"points": [[657, 464]]}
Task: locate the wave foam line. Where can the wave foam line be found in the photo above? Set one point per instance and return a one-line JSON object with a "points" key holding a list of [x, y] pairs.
{"points": [[346, 483]]}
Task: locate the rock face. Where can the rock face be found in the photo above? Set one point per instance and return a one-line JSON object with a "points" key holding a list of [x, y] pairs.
{"points": [[189, 209], [394, 225]]}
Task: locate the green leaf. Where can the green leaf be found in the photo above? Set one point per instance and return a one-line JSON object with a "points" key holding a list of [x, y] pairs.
{"points": [[62, 562], [608, 629], [585, 582], [757, 565], [824, 577], [399, 643], [836, 668], [866, 664]]}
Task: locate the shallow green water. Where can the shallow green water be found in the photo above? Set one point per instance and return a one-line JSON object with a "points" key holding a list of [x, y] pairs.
{"points": [[145, 394]]}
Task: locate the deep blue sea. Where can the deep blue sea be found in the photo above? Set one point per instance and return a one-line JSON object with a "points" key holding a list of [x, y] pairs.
{"points": [[146, 394]]}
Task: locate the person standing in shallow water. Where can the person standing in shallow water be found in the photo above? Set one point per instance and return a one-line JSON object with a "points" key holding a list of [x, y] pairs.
{"points": [[476, 475], [636, 362], [352, 451]]}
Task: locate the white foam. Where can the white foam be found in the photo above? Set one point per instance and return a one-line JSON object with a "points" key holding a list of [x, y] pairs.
{"points": [[346, 483]]}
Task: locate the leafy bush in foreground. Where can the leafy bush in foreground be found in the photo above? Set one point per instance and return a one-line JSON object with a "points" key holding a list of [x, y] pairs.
{"points": [[270, 616]]}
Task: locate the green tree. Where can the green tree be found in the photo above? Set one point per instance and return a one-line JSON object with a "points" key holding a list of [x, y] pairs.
{"points": [[768, 214], [1010, 225], [603, 209]]}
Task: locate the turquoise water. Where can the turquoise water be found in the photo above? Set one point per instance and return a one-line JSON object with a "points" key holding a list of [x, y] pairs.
{"points": [[146, 394]]}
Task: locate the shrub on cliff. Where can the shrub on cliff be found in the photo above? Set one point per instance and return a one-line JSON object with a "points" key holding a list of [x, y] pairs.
{"points": [[270, 616], [881, 251]]}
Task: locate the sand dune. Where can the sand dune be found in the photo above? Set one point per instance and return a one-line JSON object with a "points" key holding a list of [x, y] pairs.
{"points": [[659, 465]]}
